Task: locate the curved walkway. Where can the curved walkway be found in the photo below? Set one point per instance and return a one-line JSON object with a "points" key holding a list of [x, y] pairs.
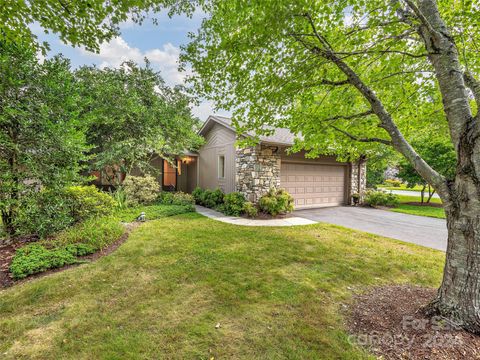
{"points": [[291, 221]]}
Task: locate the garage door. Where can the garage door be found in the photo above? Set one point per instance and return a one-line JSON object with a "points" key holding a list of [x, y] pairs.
{"points": [[313, 185]]}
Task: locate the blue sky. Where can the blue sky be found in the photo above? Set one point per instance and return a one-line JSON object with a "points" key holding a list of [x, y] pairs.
{"points": [[160, 43]]}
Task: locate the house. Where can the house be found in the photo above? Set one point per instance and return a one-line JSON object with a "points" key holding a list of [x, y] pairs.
{"points": [[254, 170], [219, 163]]}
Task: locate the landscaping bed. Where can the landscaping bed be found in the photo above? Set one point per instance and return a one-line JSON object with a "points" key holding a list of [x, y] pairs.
{"points": [[389, 322]]}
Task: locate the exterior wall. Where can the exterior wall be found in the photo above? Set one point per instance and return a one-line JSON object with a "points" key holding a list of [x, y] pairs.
{"points": [[358, 178], [218, 141], [258, 170]]}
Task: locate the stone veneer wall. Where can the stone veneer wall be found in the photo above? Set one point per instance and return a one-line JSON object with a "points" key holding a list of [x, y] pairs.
{"points": [[257, 170], [354, 176]]}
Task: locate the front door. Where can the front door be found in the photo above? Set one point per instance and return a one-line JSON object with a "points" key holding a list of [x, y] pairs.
{"points": [[169, 177]]}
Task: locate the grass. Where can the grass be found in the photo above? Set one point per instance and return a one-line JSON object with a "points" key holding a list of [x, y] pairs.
{"points": [[421, 210], [276, 293], [401, 187]]}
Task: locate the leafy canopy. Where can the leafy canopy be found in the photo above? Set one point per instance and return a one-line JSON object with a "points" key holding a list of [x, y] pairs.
{"points": [[259, 60]]}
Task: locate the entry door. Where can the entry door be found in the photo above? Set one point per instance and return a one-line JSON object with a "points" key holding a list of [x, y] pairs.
{"points": [[314, 185]]}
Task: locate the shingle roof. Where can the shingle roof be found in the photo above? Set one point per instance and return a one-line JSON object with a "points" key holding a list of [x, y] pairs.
{"points": [[281, 136]]}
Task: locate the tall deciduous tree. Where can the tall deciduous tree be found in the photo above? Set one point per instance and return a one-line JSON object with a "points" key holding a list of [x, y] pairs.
{"points": [[41, 140], [133, 115], [354, 74]]}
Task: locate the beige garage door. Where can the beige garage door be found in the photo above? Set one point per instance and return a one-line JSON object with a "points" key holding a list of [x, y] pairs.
{"points": [[313, 185]]}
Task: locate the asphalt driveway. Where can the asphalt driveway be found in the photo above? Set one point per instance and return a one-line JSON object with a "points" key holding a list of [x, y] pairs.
{"points": [[420, 230]]}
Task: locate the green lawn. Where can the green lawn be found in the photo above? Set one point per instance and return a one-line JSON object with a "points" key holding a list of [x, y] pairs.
{"points": [[276, 293], [422, 210], [401, 187]]}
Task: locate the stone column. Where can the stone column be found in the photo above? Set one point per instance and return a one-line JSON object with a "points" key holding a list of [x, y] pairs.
{"points": [[358, 179], [257, 170]]}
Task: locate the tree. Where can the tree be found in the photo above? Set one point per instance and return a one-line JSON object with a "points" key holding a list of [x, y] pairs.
{"points": [[132, 116], [436, 152], [41, 140], [86, 23], [352, 75]]}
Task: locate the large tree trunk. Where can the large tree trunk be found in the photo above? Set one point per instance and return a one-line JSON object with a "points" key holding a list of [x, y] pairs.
{"points": [[458, 297]]}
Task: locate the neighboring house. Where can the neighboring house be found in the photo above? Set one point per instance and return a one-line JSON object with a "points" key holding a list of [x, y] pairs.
{"points": [[254, 170]]}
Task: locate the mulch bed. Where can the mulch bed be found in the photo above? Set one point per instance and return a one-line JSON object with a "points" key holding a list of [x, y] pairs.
{"points": [[389, 322], [8, 251]]}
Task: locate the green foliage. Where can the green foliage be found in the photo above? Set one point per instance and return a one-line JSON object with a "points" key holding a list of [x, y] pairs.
{"points": [[35, 258], [42, 141], [380, 198], [211, 198], [175, 198], [78, 23], [89, 201], [197, 194], [120, 198], [276, 202], [130, 114], [44, 213], [140, 189], [97, 233], [233, 203], [250, 209], [393, 183], [153, 212]]}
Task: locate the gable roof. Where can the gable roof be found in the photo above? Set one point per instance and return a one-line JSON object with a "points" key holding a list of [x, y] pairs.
{"points": [[281, 136]]}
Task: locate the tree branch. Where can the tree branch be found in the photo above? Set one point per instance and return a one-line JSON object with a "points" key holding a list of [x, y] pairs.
{"points": [[474, 85], [349, 117], [353, 137], [421, 17]]}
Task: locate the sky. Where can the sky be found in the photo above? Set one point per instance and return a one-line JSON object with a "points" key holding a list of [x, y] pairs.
{"points": [[159, 43]]}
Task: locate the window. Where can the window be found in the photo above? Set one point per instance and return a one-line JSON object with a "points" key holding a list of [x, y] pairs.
{"points": [[169, 176], [179, 167], [221, 166]]}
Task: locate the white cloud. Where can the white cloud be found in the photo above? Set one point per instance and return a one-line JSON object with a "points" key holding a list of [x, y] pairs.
{"points": [[206, 108], [114, 53]]}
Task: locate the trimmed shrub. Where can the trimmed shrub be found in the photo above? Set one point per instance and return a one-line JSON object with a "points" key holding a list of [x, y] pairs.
{"points": [[250, 209], [381, 198], [276, 202], [212, 198], [393, 182], [197, 195], [88, 201], [140, 189], [176, 198], [233, 203]]}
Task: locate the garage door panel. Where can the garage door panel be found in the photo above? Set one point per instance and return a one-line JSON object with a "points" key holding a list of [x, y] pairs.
{"points": [[313, 184]]}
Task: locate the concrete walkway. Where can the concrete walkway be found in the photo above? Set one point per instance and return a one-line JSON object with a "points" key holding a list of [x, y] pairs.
{"points": [[291, 221], [420, 230]]}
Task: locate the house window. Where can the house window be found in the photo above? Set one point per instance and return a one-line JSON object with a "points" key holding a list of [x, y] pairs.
{"points": [[221, 166], [169, 176], [179, 167]]}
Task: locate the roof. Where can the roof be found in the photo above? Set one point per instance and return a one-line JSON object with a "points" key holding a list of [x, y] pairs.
{"points": [[281, 136]]}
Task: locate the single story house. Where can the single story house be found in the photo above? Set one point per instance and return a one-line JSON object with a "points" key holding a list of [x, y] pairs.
{"points": [[219, 163]]}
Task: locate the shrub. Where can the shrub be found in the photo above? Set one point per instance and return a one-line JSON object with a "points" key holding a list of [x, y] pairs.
{"points": [[380, 198], [88, 201], [140, 190], [120, 198], [177, 198], [250, 209], [393, 182], [233, 203], [212, 198], [197, 195], [44, 213], [35, 258], [276, 202], [153, 211]]}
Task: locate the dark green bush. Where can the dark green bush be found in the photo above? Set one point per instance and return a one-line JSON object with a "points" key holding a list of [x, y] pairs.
{"points": [[197, 195], [44, 213], [233, 203], [276, 202], [212, 198], [381, 198]]}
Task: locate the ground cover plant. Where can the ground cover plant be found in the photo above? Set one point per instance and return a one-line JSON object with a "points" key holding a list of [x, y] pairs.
{"points": [[191, 287]]}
